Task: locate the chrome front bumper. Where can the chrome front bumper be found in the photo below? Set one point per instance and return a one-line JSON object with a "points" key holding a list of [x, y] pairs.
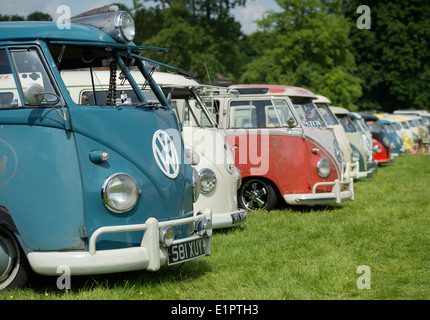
{"points": [[228, 219], [150, 255], [352, 170], [335, 196]]}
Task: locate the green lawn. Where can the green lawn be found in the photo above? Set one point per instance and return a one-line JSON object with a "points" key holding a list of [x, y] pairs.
{"points": [[297, 252]]}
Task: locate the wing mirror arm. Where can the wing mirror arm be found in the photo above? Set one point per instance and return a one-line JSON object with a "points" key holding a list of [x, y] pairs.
{"points": [[34, 95]]}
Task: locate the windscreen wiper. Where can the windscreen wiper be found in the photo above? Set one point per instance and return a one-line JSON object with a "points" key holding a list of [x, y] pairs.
{"points": [[151, 104]]}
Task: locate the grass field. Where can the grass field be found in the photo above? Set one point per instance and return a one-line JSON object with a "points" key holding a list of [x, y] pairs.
{"points": [[296, 253]]}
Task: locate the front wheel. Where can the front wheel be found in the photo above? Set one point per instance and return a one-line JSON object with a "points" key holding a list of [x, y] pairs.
{"points": [[257, 194], [13, 263]]}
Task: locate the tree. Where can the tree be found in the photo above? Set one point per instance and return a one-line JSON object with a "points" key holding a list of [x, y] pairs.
{"points": [[34, 16], [307, 44], [189, 48], [14, 17], [39, 16], [197, 33], [393, 55]]}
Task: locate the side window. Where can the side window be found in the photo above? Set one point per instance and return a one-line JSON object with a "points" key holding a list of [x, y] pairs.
{"points": [[346, 123], [283, 112], [212, 106], [242, 115], [328, 115], [271, 117], [30, 69], [8, 92]]}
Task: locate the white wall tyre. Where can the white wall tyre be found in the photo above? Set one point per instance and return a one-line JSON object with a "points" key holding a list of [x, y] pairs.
{"points": [[13, 264], [257, 194]]}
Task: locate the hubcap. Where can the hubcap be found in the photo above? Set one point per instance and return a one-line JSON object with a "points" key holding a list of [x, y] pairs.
{"points": [[4, 257], [8, 258], [255, 195]]}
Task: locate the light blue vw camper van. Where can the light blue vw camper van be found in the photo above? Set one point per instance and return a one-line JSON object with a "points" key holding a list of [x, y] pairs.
{"points": [[93, 185]]}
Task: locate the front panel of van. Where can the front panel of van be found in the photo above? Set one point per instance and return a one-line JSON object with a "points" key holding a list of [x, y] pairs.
{"points": [[276, 154], [131, 151], [321, 144]]}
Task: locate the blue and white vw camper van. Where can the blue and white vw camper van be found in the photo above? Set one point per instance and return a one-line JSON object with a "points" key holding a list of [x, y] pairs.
{"points": [[205, 144], [93, 185]]}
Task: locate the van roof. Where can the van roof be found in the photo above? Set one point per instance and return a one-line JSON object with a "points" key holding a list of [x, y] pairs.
{"points": [[386, 120], [48, 30], [408, 117], [339, 110], [368, 117], [355, 115], [322, 99], [396, 117], [166, 79], [273, 89]]}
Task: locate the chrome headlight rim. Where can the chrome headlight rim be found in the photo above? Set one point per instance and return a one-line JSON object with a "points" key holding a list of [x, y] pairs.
{"points": [[208, 180], [378, 148], [323, 168], [196, 184], [133, 192], [124, 23]]}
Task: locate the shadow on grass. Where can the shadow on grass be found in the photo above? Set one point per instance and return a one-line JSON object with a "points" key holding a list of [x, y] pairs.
{"points": [[191, 270], [312, 208]]}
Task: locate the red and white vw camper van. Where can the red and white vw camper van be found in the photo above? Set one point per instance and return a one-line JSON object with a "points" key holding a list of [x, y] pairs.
{"points": [[281, 145]]}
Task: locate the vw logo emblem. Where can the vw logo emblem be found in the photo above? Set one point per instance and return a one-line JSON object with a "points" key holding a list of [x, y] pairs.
{"points": [[165, 154]]}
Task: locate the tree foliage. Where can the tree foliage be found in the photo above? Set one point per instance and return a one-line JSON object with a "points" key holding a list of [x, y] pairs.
{"points": [[201, 36], [393, 55], [307, 44], [34, 16], [314, 44]]}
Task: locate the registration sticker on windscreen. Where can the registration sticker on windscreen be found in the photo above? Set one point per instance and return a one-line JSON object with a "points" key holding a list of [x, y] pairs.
{"points": [[181, 252]]}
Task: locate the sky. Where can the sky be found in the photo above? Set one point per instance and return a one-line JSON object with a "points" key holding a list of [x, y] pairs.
{"points": [[245, 15]]}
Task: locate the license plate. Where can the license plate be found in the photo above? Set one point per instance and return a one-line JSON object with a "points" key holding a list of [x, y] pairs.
{"points": [[237, 217], [186, 251]]}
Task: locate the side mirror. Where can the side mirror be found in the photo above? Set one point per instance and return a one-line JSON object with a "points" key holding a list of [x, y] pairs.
{"points": [[34, 94], [291, 122]]}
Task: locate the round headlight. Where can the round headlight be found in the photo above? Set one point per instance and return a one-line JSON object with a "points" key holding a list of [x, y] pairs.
{"points": [[125, 25], [378, 148], [120, 192], [323, 168], [196, 185], [208, 179], [117, 24]]}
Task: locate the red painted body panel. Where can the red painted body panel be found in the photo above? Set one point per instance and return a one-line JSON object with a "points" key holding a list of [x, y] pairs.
{"points": [[385, 155], [285, 159]]}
